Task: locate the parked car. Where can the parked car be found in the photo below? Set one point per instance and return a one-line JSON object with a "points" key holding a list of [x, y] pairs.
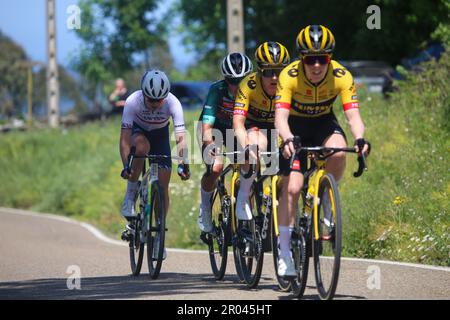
{"points": [[433, 51], [192, 94], [372, 74]]}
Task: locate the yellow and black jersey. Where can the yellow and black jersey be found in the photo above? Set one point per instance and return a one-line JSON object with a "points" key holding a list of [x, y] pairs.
{"points": [[304, 99], [253, 102]]}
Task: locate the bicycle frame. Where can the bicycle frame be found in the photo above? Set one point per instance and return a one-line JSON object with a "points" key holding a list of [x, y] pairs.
{"points": [[313, 190]]}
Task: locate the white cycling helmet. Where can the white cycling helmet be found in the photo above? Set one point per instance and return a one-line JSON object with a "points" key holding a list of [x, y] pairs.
{"points": [[236, 65], [155, 84]]}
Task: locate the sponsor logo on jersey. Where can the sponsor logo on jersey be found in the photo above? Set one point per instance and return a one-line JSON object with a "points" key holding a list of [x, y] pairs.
{"points": [[339, 72], [240, 112], [354, 97], [296, 165], [241, 95], [259, 114], [239, 105], [309, 92], [251, 84], [293, 72]]}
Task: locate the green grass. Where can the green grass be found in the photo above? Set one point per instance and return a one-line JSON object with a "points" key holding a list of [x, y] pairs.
{"points": [[397, 210]]}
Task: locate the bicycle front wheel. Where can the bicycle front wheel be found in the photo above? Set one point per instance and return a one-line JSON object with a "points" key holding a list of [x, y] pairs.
{"points": [[219, 238], [137, 242], [250, 252], [301, 248], [327, 248], [156, 231], [283, 284]]}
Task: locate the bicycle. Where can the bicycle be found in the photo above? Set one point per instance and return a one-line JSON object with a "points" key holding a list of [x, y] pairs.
{"points": [[317, 231], [149, 224], [227, 230], [266, 219], [218, 239]]}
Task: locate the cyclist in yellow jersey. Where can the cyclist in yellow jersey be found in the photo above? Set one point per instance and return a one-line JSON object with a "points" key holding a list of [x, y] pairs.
{"points": [[306, 91], [254, 109]]}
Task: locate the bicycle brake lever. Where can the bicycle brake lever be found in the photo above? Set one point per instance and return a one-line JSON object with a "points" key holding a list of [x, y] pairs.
{"points": [[361, 166]]}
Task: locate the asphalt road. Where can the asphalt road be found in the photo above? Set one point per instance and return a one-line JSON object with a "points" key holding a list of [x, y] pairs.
{"points": [[38, 254]]}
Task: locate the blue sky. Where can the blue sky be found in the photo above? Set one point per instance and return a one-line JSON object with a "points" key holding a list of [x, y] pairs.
{"points": [[24, 22]]}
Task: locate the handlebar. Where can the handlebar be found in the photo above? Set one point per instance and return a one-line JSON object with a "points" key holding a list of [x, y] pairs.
{"points": [[325, 152], [132, 155], [235, 153]]}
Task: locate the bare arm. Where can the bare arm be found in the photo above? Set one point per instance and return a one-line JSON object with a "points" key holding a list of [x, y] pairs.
{"points": [[355, 122], [239, 129], [282, 125], [182, 149], [125, 145], [207, 133], [357, 128]]}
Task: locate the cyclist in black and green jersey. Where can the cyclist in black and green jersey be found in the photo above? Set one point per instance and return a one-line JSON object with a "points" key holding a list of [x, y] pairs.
{"points": [[216, 118]]}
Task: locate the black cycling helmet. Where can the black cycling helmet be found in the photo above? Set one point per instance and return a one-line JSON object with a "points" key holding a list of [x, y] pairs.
{"points": [[272, 54], [315, 39], [236, 65]]}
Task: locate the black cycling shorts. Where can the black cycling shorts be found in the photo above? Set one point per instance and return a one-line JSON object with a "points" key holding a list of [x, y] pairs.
{"points": [[313, 132], [159, 140]]}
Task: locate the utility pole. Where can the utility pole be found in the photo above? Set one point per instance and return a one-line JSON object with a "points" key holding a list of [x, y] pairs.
{"points": [[52, 68], [30, 94], [235, 26]]}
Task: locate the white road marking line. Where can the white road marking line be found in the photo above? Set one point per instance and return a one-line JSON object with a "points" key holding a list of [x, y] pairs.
{"points": [[99, 235]]}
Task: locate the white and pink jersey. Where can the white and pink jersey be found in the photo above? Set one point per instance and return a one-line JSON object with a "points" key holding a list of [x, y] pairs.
{"points": [[136, 111]]}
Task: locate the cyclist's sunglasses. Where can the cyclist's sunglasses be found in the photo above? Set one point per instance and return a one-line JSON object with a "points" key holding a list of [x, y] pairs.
{"points": [[150, 100], [269, 73], [234, 81], [312, 59]]}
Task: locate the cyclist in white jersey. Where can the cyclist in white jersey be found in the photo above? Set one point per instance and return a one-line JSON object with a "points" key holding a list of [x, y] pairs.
{"points": [[145, 125]]}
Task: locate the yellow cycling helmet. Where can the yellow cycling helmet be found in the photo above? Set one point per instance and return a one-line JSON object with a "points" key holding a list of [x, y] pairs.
{"points": [[315, 39], [271, 54]]}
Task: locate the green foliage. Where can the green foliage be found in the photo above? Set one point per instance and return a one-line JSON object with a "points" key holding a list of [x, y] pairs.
{"points": [[113, 32], [442, 32], [14, 66], [405, 25], [398, 210]]}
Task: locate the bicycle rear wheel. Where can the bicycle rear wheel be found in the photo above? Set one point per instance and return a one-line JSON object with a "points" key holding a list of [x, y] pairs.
{"points": [[136, 246], [327, 249], [250, 253], [156, 231], [218, 240]]}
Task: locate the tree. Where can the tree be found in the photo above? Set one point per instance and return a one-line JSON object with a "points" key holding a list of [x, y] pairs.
{"points": [[14, 66], [405, 25], [117, 36]]}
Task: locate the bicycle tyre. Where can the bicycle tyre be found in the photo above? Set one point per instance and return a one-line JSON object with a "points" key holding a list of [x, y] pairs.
{"points": [[136, 246], [283, 285], [234, 237], [251, 266], [301, 249], [218, 258], [328, 236], [157, 230]]}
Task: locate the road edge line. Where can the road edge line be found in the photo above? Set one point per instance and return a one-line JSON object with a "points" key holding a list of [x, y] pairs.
{"points": [[101, 236]]}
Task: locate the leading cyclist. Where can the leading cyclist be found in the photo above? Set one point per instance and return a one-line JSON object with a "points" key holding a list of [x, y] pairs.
{"points": [[306, 91], [145, 125]]}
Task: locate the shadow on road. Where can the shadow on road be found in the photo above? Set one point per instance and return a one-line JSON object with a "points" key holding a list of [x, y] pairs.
{"points": [[170, 285]]}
